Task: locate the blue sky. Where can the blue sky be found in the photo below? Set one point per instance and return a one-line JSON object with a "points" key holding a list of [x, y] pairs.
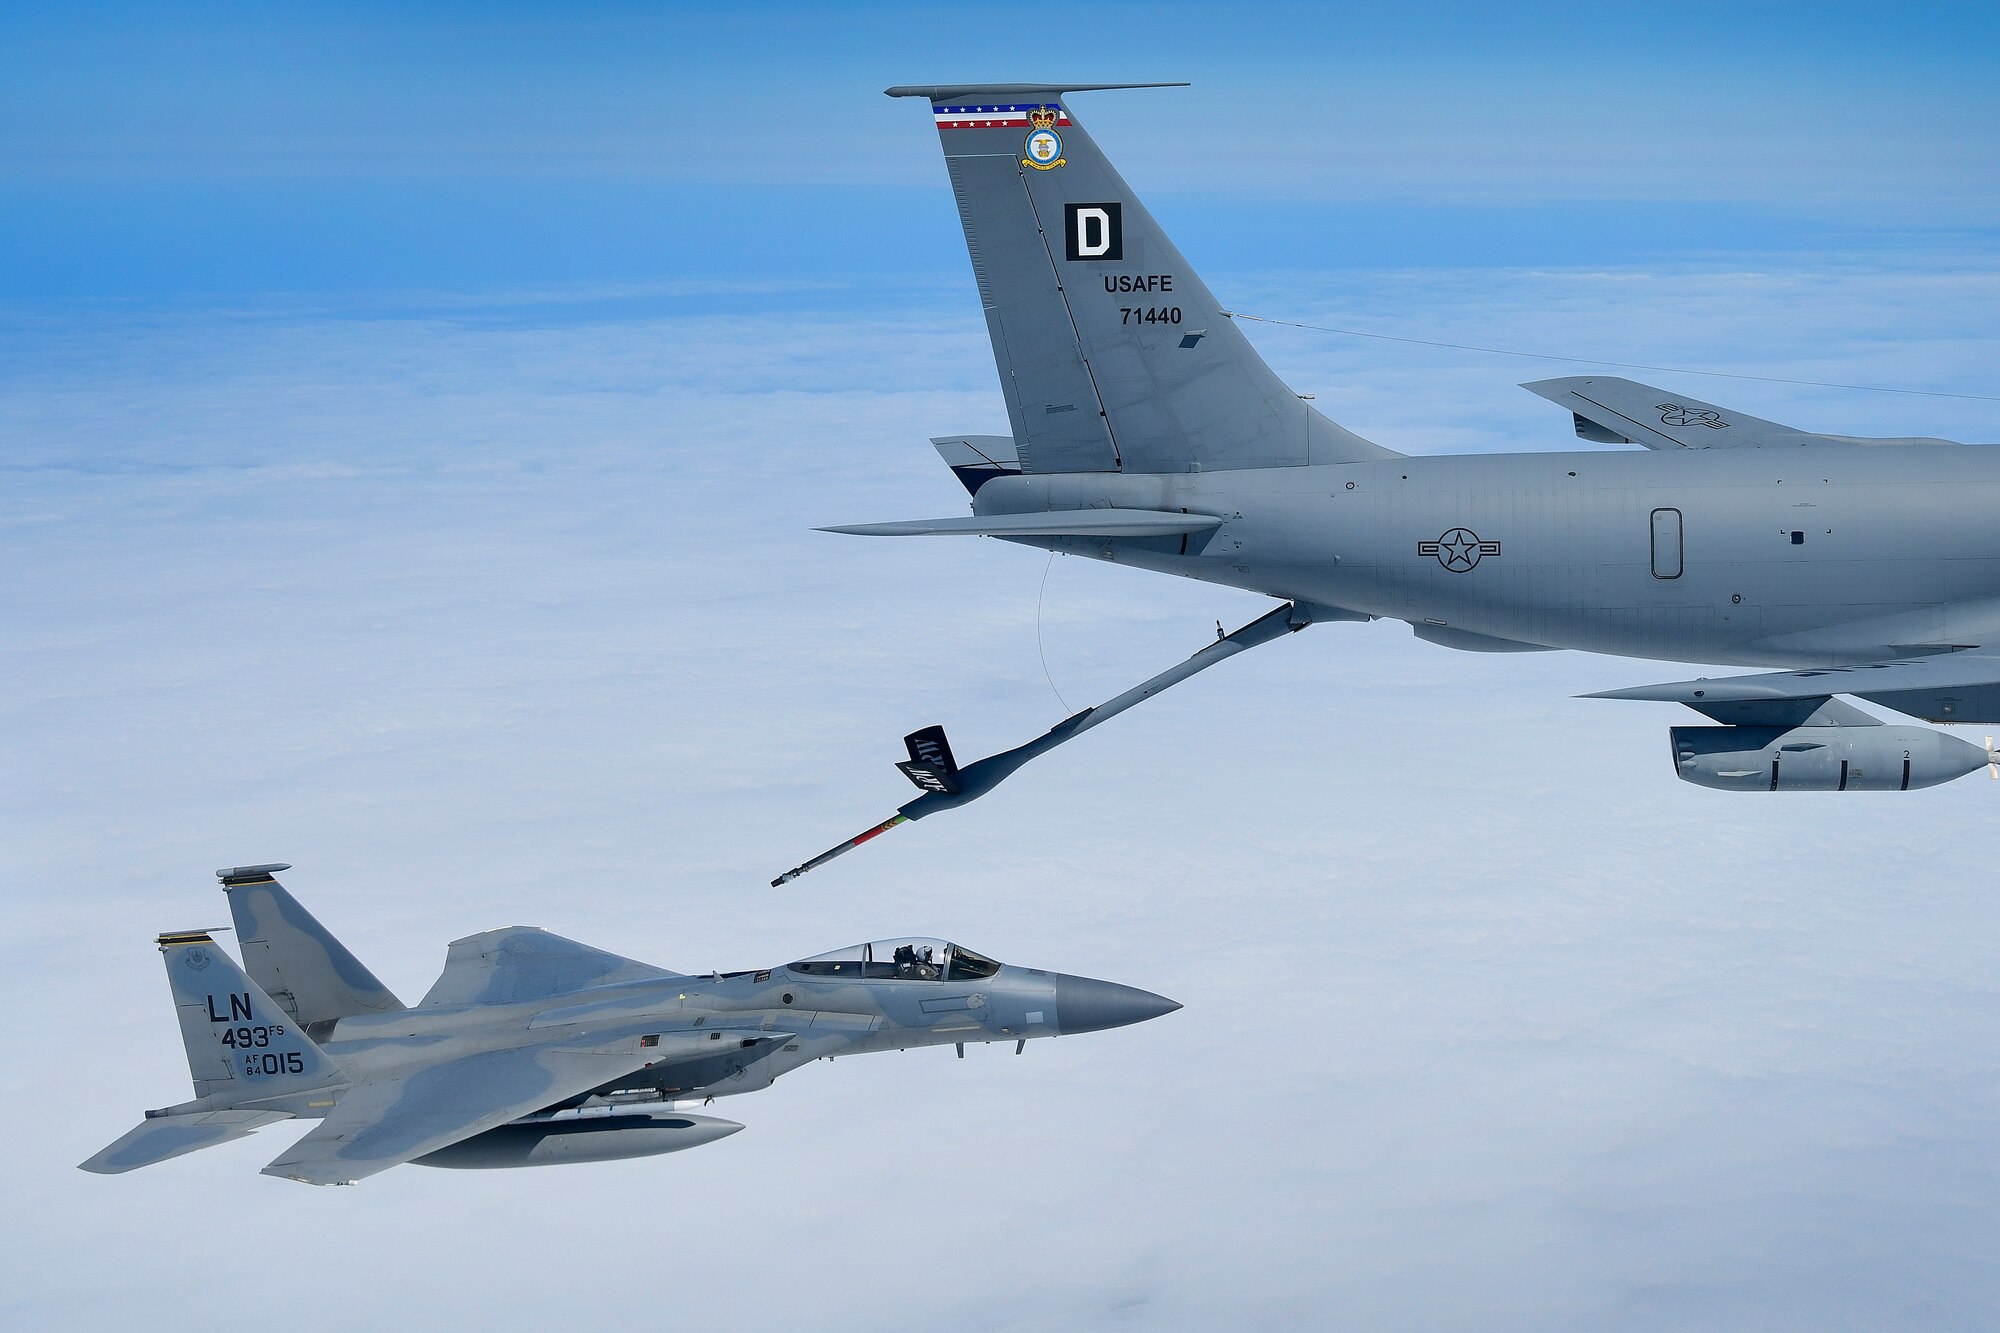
{"points": [[413, 422], [337, 149]]}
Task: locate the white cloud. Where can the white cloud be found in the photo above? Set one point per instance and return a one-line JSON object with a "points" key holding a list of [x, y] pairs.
{"points": [[1490, 1023]]}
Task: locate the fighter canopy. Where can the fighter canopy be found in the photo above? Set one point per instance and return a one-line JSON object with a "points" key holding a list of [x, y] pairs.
{"points": [[912, 959]]}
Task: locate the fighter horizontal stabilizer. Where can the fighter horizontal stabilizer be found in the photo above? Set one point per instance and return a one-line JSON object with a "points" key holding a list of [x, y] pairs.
{"points": [[1612, 410], [250, 1063], [1060, 523], [163, 1136]]}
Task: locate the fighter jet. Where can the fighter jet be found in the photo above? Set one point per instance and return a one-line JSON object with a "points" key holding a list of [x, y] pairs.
{"points": [[534, 1050], [1147, 431]]}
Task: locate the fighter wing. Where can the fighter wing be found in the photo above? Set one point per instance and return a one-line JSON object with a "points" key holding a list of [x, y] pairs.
{"points": [[528, 963], [382, 1124], [1611, 410], [1948, 687]]}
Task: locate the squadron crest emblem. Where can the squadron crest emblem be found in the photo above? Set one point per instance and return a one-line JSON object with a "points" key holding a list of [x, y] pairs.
{"points": [[1044, 147]]}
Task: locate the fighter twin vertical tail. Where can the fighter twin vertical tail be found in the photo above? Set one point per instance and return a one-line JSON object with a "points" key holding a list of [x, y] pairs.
{"points": [[241, 1047], [250, 1063], [297, 961]]}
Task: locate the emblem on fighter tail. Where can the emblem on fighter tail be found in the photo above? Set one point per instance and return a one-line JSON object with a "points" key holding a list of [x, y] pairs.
{"points": [[1044, 147]]}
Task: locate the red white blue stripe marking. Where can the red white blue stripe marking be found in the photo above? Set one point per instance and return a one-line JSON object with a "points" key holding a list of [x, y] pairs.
{"points": [[992, 117]]}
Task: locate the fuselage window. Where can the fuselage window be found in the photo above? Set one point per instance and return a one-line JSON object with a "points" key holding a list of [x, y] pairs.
{"points": [[1666, 543]]}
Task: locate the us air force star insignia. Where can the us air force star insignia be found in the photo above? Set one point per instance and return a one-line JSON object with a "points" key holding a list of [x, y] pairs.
{"points": [[1673, 414], [1459, 550], [1044, 147]]}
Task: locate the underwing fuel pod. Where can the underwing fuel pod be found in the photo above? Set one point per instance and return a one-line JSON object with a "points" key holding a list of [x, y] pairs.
{"points": [[1833, 747], [534, 1050]]}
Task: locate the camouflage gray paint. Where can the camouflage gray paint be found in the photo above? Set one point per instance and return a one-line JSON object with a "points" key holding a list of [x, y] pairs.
{"points": [[532, 1049]]}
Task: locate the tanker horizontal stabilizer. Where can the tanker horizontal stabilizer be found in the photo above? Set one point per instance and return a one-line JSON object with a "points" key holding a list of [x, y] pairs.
{"points": [[1063, 523]]}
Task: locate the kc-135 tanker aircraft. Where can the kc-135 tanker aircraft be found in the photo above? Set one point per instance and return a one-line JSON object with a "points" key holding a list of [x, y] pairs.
{"points": [[1146, 430], [534, 1050]]}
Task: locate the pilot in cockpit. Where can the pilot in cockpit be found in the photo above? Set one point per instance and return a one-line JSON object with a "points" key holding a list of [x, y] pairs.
{"points": [[915, 961]]}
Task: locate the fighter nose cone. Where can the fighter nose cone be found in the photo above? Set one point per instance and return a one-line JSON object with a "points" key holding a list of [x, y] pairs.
{"points": [[1084, 1004]]}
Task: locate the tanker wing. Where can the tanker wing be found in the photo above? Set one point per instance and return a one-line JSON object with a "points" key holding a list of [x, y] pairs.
{"points": [[1612, 410], [1789, 730], [1937, 687]]}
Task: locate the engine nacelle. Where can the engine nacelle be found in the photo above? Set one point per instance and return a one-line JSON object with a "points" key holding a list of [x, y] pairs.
{"points": [[1885, 758], [561, 1140]]}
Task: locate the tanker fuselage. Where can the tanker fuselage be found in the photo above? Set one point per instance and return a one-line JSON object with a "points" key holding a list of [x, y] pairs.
{"points": [[1756, 557]]}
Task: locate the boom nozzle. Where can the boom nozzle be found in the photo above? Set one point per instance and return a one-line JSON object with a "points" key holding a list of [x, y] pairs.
{"points": [[832, 852]]}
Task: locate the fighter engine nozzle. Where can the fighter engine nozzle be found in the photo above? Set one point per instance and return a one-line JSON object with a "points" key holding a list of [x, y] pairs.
{"points": [[1085, 1004]]}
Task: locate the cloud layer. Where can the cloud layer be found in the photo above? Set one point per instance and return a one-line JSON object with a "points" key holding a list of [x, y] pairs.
{"points": [[496, 616]]}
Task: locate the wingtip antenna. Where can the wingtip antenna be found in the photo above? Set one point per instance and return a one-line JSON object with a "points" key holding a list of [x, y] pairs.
{"points": [[202, 935], [234, 876]]}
